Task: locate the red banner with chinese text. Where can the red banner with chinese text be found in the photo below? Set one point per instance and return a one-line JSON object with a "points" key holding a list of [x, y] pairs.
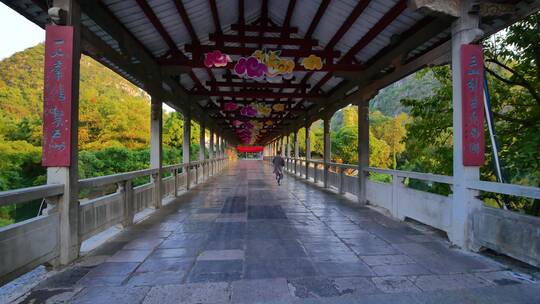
{"points": [[57, 96], [249, 149], [472, 99]]}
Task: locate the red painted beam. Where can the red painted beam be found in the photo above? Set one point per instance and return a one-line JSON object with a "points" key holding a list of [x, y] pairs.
{"points": [[257, 85], [185, 19], [390, 16], [232, 50], [268, 29], [288, 16], [317, 18], [386, 20], [215, 15], [263, 40], [230, 66], [159, 27], [258, 95], [356, 12]]}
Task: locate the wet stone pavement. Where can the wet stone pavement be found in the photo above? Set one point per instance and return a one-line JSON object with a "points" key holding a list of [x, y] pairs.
{"points": [[241, 238]]}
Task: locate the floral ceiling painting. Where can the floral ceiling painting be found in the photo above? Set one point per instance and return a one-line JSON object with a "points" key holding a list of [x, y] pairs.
{"points": [[250, 119]]}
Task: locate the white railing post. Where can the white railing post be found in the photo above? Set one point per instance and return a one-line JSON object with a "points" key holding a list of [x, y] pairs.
{"points": [[341, 180], [397, 184], [315, 173], [326, 152], [156, 179], [175, 172], [126, 188], [188, 176], [196, 174]]}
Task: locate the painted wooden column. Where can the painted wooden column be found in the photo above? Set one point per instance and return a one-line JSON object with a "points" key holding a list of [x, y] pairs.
{"points": [[283, 146], [156, 133], [326, 155], [67, 205], [464, 30], [308, 148], [363, 150], [186, 145]]}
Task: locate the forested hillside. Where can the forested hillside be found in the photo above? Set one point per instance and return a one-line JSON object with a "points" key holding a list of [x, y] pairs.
{"points": [[114, 129]]}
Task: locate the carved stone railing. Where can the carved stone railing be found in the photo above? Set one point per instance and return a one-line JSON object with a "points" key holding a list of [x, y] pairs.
{"points": [[27, 244], [508, 232]]}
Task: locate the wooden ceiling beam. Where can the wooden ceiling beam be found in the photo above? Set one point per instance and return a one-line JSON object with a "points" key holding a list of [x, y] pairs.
{"points": [[385, 21], [267, 29], [177, 67], [232, 50], [263, 40], [215, 16], [317, 18], [185, 19], [131, 48], [257, 85], [288, 16], [257, 95]]}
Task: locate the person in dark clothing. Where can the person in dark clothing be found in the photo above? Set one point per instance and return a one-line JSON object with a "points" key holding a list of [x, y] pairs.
{"points": [[278, 163]]}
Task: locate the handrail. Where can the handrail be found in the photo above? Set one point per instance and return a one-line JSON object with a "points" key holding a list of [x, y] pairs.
{"points": [[504, 188], [28, 194], [444, 179], [115, 178], [120, 177]]}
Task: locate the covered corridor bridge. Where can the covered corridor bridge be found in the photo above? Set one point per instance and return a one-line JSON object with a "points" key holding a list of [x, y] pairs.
{"points": [[253, 72]]}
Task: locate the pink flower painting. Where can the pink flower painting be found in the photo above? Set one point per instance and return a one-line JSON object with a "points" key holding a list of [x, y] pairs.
{"points": [[230, 106], [248, 111], [216, 59], [248, 125], [250, 67], [237, 123]]}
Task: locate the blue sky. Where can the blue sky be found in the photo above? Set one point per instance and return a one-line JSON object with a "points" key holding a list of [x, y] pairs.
{"points": [[16, 32]]}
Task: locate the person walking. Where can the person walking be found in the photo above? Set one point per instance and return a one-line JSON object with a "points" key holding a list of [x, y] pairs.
{"points": [[278, 163]]}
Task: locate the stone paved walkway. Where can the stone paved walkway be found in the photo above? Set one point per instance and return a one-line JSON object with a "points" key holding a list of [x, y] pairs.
{"points": [[241, 238]]}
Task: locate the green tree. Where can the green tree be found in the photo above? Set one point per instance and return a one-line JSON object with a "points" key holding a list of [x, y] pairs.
{"points": [[513, 66]]}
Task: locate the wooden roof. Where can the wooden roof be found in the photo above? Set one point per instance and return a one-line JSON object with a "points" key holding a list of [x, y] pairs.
{"points": [[160, 46]]}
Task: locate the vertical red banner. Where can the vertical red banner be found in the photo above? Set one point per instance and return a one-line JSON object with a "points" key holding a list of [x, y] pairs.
{"points": [[57, 96], [472, 99]]}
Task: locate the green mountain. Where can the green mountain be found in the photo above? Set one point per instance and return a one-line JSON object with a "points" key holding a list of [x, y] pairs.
{"points": [[105, 99], [416, 86]]}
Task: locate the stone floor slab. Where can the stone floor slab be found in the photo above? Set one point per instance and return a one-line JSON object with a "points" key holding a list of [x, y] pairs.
{"points": [[130, 255], [207, 293], [106, 295], [257, 291], [394, 284], [221, 255]]}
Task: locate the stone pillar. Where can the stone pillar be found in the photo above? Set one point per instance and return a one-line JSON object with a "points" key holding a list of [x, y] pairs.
{"points": [[156, 132], [326, 156], [363, 150], [68, 204], [201, 142], [186, 145], [464, 30], [289, 145], [296, 146], [308, 148]]}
